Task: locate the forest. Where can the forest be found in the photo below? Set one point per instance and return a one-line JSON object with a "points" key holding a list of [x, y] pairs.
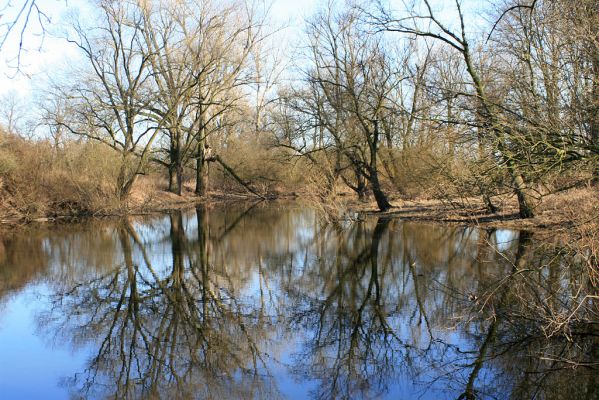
{"points": [[488, 111], [292, 199]]}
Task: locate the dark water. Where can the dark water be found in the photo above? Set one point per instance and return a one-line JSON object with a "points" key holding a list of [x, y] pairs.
{"points": [[268, 302]]}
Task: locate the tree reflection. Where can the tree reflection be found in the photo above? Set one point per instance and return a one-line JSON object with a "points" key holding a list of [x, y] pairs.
{"points": [[351, 349], [381, 315], [29, 255], [507, 350], [162, 330], [215, 304]]}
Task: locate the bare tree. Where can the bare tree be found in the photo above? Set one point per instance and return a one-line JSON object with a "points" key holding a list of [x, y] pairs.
{"points": [[221, 48], [109, 101], [350, 83], [19, 20], [12, 113], [165, 34], [54, 112], [198, 51], [423, 22]]}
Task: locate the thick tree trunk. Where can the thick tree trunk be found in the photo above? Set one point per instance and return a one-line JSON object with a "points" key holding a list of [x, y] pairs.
{"points": [[525, 200], [380, 197], [124, 183], [175, 168], [201, 172], [179, 178], [178, 160], [125, 189], [172, 181], [175, 178], [120, 182]]}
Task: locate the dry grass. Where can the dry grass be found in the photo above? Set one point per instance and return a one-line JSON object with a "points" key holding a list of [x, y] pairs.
{"points": [[149, 194], [560, 212], [37, 180], [268, 170]]}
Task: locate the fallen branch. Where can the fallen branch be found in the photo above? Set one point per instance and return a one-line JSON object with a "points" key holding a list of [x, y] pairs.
{"points": [[230, 170]]}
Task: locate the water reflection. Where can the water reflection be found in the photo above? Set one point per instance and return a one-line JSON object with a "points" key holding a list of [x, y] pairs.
{"points": [[270, 302]]}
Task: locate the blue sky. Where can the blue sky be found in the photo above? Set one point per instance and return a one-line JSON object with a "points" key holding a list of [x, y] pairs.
{"points": [[37, 64], [40, 65]]}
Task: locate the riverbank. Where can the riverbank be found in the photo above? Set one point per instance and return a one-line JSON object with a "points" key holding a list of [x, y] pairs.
{"points": [[148, 196], [566, 213], [559, 213]]}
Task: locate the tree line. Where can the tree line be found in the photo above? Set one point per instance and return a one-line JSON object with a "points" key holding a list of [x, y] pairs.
{"points": [[514, 104], [379, 99]]}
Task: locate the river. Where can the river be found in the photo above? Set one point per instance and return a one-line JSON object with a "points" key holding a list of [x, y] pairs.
{"points": [[267, 301]]}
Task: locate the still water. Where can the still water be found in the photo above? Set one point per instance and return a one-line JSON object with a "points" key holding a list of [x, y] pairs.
{"points": [[267, 301]]}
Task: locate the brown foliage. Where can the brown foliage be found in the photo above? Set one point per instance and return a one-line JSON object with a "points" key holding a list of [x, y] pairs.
{"points": [[39, 180]]}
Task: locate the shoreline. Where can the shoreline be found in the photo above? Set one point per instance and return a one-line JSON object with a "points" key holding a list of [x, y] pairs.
{"points": [[573, 214], [560, 214], [168, 202]]}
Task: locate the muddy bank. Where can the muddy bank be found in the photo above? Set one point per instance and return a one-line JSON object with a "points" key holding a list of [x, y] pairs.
{"points": [[561, 213], [139, 204], [567, 213]]}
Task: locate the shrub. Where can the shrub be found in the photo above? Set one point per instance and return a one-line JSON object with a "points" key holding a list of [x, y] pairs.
{"points": [[41, 180]]}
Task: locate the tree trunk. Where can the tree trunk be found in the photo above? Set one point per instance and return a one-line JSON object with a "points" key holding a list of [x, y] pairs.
{"points": [[525, 201], [487, 114], [172, 181], [491, 208], [175, 168], [179, 178], [380, 197], [120, 182], [124, 184], [234, 175], [125, 190], [594, 114], [362, 192], [360, 187], [201, 171]]}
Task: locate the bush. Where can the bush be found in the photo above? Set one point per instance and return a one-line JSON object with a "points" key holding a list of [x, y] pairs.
{"points": [[265, 168], [41, 180], [8, 163]]}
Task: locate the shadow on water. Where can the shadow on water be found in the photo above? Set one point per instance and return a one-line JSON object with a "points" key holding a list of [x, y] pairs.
{"points": [[270, 302]]}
